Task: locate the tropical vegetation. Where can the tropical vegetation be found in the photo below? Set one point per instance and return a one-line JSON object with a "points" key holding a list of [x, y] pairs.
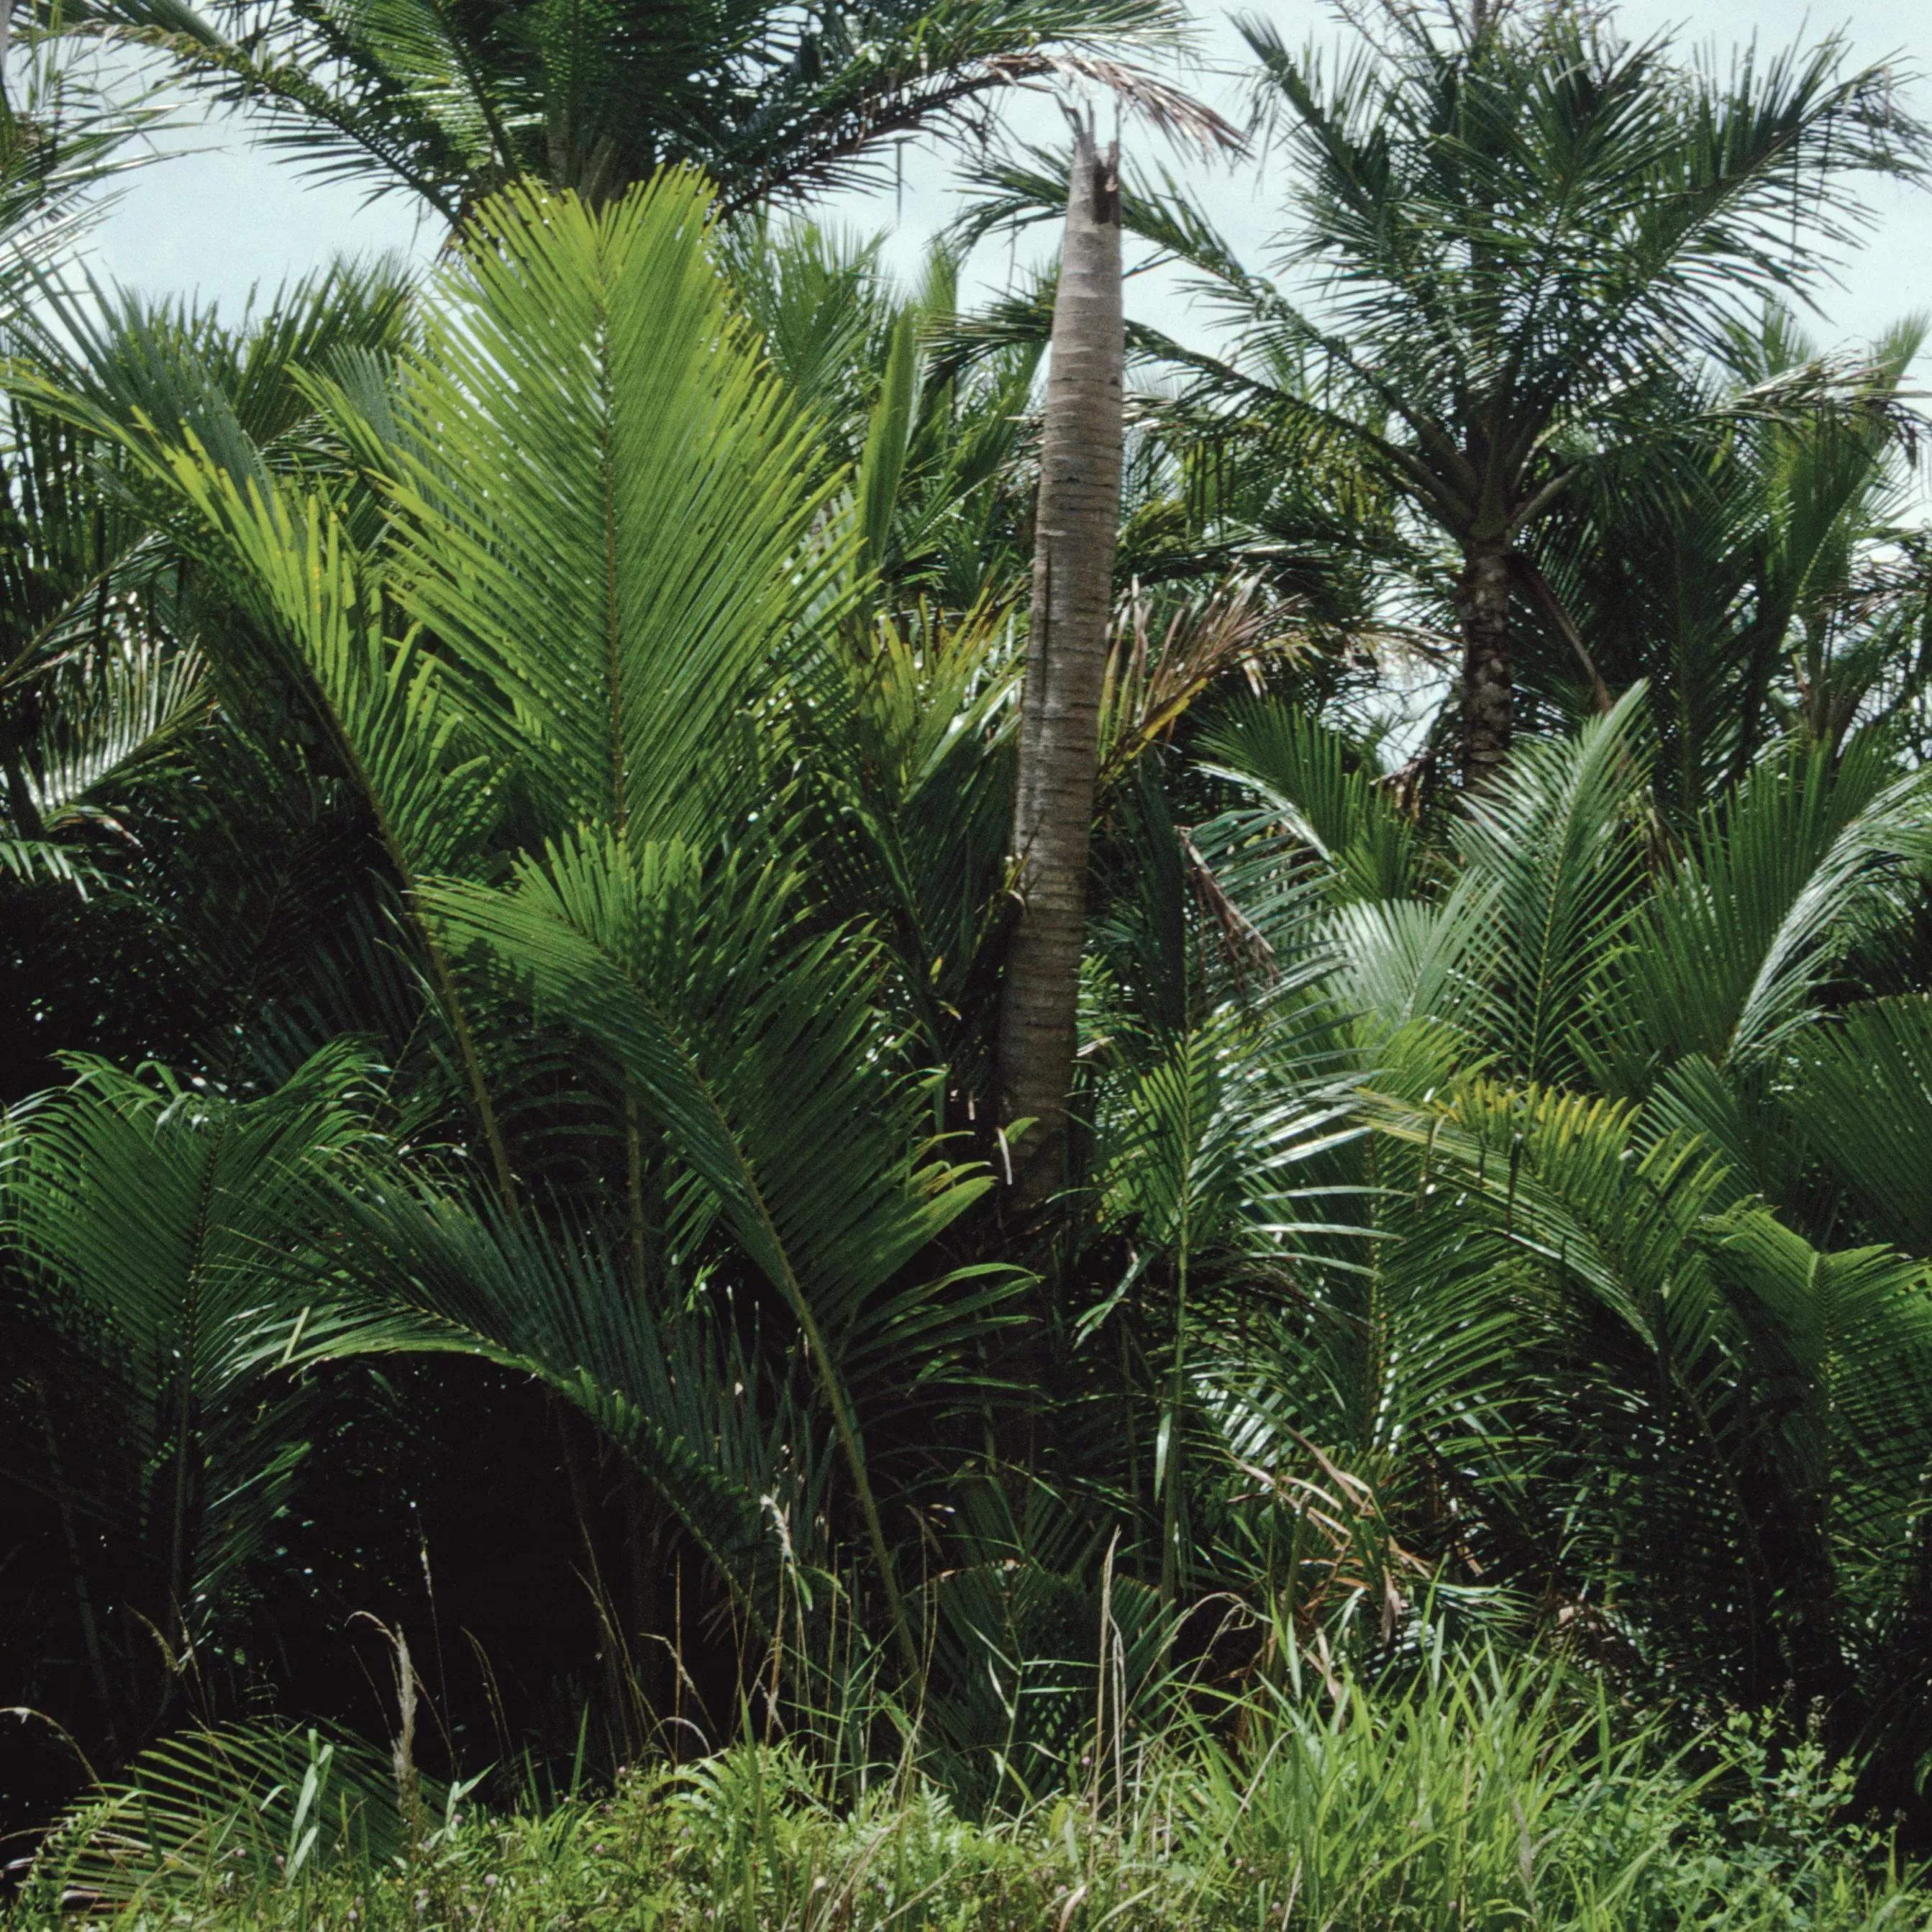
{"points": [[832, 1104]]}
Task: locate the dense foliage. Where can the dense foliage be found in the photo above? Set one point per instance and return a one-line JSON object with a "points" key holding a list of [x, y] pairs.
{"points": [[507, 1242]]}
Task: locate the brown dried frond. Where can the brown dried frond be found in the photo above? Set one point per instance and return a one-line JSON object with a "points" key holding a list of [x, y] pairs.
{"points": [[1171, 112]]}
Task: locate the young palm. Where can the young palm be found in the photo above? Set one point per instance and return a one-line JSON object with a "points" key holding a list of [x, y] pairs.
{"points": [[148, 1229], [574, 800]]}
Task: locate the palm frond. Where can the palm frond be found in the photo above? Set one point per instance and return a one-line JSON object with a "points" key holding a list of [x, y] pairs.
{"points": [[1779, 885], [1551, 850], [156, 1226], [755, 1047], [1863, 1098], [611, 527]]}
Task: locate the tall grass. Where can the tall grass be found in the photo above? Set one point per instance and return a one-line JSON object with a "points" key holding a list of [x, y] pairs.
{"points": [[1464, 1791]]}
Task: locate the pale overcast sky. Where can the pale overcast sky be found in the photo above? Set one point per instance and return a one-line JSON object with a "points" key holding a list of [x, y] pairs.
{"points": [[219, 220]]}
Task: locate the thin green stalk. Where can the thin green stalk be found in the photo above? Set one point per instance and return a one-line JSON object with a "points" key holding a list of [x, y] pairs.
{"points": [[184, 1404], [1169, 1459]]}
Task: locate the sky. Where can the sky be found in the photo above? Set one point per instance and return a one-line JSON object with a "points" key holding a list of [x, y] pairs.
{"points": [[220, 215]]}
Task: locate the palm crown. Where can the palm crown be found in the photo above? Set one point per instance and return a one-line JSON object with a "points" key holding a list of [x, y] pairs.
{"points": [[451, 101]]}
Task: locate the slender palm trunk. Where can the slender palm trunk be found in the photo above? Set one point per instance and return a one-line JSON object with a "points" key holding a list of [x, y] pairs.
{"points": [[1072, 590], [1482, 608]]}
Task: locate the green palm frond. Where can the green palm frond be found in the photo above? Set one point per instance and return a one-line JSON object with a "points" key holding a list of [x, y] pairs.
{"points": [[1511, 955], [1558, 1170], [1863, 1097], [826, 311], [1757, 1385], [159, 375], [1323, 790], [1400, 962], [64, 139], [1803, 861], [28, 858], [1555, 865], [1539, 136], [1841, 1343], [754, 1047], [387, 704], [908, 731], [663, 1375], [754, 1044], [430, 98], [158, 1228], [643, 577], [272, 1805], [99, 713]]}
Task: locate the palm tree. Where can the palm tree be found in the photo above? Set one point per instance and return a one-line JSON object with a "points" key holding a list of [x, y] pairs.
{"points": [[1518, 235], [138, 1214], [1608, 1080], [559, 795]]}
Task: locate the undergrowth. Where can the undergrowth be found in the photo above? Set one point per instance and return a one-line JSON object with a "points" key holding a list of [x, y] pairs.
{"points": [[1467, 1794]]}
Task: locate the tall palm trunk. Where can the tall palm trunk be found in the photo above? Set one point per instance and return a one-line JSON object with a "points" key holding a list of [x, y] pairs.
{"points": [[1072, 589], [1482, 609]]}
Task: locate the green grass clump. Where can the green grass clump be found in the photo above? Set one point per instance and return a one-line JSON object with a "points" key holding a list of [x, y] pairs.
{"points": [[1466, 1796]]}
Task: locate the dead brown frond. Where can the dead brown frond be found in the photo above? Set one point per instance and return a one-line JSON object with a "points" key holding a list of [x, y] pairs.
{"points": [[1168, 109], [1149, 686], [1248, 953]]}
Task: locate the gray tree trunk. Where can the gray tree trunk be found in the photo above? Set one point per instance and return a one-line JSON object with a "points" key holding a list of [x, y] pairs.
{"points": [[1482, 608], [1077, 521]]}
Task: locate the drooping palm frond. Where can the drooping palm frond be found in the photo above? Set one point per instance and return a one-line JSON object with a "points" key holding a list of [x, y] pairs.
{"points": [[755, 1048], [437, 101], [64, 138], [1838, 1343], [1323, 789], [1548, 886], [1863, 1098], [661, 1372], [97, 714], [113, 648], [112, 359], [1755, 1383], [755, 1045], [1735, 566], [273, 1804], [116, 645]]}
